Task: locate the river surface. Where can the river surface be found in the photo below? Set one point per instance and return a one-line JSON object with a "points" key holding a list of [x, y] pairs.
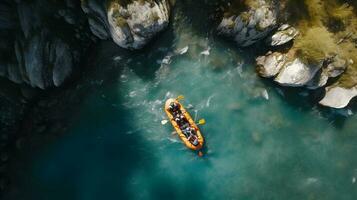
{"points": [[262, 141]]}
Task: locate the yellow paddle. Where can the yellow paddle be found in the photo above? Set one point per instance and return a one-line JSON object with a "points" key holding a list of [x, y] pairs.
{"points": [[180, 97], [201, 122]]}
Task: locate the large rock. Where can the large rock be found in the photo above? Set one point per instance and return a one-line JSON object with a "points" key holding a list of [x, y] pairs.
{"points": [[331, 68], [338, 97], [270, 64], [131, 25], [97, 17], [296, 73], [283, 35], [41, 49], [252, 25]]}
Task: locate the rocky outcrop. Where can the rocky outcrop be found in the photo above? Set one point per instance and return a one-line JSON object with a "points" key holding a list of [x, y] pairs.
{"points": [[47, 38], [283, 35], [292, 71], [331, 68], [296, 73], [131, 25], [252, 25], [338, 97], [45, 41], [270, 64]]}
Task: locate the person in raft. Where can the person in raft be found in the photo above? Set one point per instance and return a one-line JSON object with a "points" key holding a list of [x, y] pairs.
{"points": [[193, 139], [174, 107], [191, 135]]}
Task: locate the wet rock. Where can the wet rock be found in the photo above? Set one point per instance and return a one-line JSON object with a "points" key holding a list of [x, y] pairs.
{"points": [[39, 53], [138, 23], [319, 80], [252, 25], [97, 18], [131, 25], [283, 35], [296, 73], [270, 64], [338, 97]]}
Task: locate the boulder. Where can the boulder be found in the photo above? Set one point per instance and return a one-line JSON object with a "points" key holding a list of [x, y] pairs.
{"points": [[331, 68], [130, 25], [296, 73], [283, 35], [270, 64], [42, 61], [319, 80], [338, 97], [97, 18], [37, 53], [252, 25]]}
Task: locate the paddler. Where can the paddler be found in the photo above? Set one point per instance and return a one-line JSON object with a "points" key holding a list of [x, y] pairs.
{"points": [[195, 140], [174, 107]]}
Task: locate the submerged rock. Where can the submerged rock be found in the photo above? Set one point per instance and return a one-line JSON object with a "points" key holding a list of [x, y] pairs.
{"points": [[283, 35], [252, 25], [338, 97]]}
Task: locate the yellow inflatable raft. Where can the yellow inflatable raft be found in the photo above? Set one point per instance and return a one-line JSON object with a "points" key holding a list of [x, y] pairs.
{"points": [[190, 121]]}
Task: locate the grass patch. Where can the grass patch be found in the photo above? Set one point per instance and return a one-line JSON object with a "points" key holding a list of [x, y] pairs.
{"points": [[326, 28]]}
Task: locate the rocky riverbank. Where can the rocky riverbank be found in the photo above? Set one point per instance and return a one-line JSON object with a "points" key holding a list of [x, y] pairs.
{"points": [[47, 41], [314, 47], [44, 44]]}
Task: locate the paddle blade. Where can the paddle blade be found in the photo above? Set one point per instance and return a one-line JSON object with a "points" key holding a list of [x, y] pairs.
{"points": [[163, 122], [180, 97], [201, 121]]}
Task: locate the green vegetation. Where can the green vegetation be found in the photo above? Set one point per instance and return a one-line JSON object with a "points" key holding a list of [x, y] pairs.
{"points": [[326, 28]]}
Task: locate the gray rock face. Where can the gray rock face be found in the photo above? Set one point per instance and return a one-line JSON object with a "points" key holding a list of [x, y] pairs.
{"points": [[284, 34], [338, 97], [40, 54], [130, 26], [138, 23], [331, 68], [97, 18], [296, 74], [252, 25], [270, 64]]}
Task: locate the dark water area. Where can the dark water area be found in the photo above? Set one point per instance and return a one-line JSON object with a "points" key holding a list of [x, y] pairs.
{"points": [[262, 141]]}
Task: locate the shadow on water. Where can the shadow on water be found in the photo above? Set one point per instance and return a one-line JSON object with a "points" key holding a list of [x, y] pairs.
{"points": [[98, 165], [98, 156]]}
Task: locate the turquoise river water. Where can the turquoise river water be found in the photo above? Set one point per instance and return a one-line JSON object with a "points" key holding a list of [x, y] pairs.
{"points": [[262, 141]]}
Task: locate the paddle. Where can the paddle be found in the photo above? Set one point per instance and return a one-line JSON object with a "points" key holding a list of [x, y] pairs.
{"points": [[180, 97], [163, 122], [201, 122]]}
